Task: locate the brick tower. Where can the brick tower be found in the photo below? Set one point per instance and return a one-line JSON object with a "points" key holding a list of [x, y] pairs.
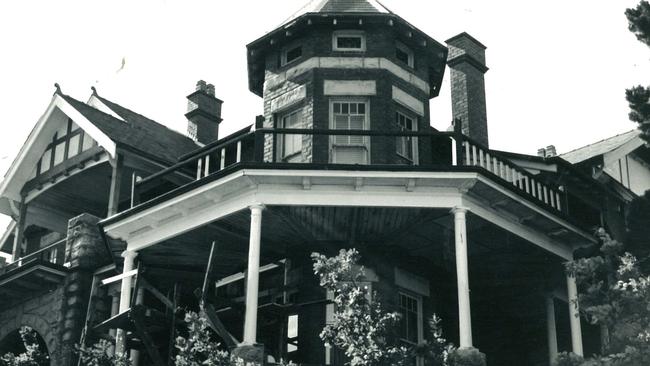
{"points": [[345, 64]]}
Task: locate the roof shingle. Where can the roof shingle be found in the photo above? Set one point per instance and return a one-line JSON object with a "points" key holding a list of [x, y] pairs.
{"points": [[139, 133]]}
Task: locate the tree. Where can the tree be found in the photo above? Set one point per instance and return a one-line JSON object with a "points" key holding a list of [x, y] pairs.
{"points": [[615, 295], [33, 356], [366, 332], [639, 96]]}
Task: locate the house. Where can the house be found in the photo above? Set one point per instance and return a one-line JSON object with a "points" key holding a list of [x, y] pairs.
{"points": [[344, 156]]}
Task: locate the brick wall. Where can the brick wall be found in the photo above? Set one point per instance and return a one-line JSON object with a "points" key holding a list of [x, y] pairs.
{"points": [[380, 42], [467, 63]]}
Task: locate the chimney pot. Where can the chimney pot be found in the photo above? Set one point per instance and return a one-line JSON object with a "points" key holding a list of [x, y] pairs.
{"points": [[550, 151], [541, 152]]}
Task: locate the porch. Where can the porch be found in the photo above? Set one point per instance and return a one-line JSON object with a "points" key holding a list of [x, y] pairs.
{"points": [[477, 218]]}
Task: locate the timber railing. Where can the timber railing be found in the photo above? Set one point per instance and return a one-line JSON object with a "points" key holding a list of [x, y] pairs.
{"points": [[436, 150], [53, 253]]}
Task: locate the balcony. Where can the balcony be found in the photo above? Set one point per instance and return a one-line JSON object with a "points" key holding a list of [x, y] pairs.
{"points": [[438, 152], [33, 273]]}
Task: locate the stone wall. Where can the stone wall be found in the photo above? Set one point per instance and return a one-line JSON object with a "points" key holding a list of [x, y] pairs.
{"points": [[59, 315]]}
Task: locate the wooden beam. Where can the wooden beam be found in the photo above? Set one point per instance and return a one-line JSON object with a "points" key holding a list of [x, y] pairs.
{"points": [[157, 294], [117, 167], [172, 331], [208, 272], [20, 229], [216, 324]]}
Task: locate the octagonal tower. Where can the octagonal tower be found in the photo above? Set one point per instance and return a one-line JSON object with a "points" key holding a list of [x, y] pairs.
{"points": [[346, 64]]}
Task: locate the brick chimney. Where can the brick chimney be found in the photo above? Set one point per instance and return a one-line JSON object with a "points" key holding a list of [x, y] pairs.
{"points": [[466, 61], [203, 113]]}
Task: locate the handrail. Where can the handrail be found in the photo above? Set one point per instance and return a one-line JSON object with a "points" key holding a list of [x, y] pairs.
{"points": [[464, 152], [39, 254]]}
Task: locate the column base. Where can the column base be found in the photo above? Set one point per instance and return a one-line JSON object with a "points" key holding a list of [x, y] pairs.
{"points": [[252, 355], [467, 356]]}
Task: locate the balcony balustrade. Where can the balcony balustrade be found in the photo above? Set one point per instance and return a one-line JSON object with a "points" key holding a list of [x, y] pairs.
{"points": [[259, 149]]}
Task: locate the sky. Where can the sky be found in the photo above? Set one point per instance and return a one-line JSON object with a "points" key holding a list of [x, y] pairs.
{"points": [[558, 69]]}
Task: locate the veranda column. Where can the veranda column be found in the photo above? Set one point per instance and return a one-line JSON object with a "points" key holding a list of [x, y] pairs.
{"points": [[551, 329], [125, 298], [252, 275], [574, 315], [462, 276]]}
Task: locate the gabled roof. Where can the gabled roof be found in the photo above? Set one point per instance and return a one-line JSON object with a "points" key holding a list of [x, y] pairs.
{"points": [[340, 6], [601, 147], [139, 132], [135, 133]]}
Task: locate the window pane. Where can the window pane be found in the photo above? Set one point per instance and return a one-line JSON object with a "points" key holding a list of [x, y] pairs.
{"points": [[292, 144], [362, 108], [88, 142], [74, 126], [337, 107], [59, 153], [402, 56], [344, 108], [352, 42], [293, 54], [74, 146], [45, 160]]}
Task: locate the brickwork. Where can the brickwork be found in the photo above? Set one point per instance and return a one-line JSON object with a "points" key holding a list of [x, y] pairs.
{"points": [[467, 64], [380, 42]]}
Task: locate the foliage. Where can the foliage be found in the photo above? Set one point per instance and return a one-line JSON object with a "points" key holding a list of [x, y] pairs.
{"points": [[615, 295], [101, 354], [639, 96], [568, 359], [466, 357], [361, 327], [638, 230], [32, 355], [198, 348]]}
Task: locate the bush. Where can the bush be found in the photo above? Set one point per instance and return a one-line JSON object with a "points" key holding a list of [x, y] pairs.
{"points": [[466, 357], [568, 359], [32, 355]]}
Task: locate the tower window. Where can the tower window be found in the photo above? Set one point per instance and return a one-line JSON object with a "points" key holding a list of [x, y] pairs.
{"points": [[349, 41], [291, 145], [291, 54], [404, 54], [406, 145]]}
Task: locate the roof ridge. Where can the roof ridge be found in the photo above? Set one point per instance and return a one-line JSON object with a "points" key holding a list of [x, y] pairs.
{"points": [[600, 141]]}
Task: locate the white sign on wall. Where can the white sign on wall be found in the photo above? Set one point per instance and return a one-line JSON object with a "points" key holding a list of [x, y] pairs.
{"points": [[291, 97]]}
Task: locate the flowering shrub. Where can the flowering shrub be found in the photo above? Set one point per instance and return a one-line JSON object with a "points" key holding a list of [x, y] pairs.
{"points": [[466, 357], [101, 354], [32, 356], [362, 328]]}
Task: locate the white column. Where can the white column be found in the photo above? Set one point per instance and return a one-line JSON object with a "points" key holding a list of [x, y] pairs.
{"points": [[125, 298], [462, 277], [574, 315], [252, 275], [551, 330]]}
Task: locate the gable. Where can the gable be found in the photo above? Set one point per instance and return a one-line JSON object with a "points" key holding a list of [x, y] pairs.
{"points": [[47, 142], [68, 141]]}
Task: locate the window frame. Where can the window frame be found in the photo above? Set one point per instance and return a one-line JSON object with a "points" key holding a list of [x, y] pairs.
{"points": [[282, 137], [399, 46], [420, 314], [366, 126], [285, 52], [351, 34], [414, 140]]}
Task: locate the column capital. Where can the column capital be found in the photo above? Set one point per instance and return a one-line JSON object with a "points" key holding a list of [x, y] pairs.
{"points": [[459, 210], [256, 207], [129, 254]]}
